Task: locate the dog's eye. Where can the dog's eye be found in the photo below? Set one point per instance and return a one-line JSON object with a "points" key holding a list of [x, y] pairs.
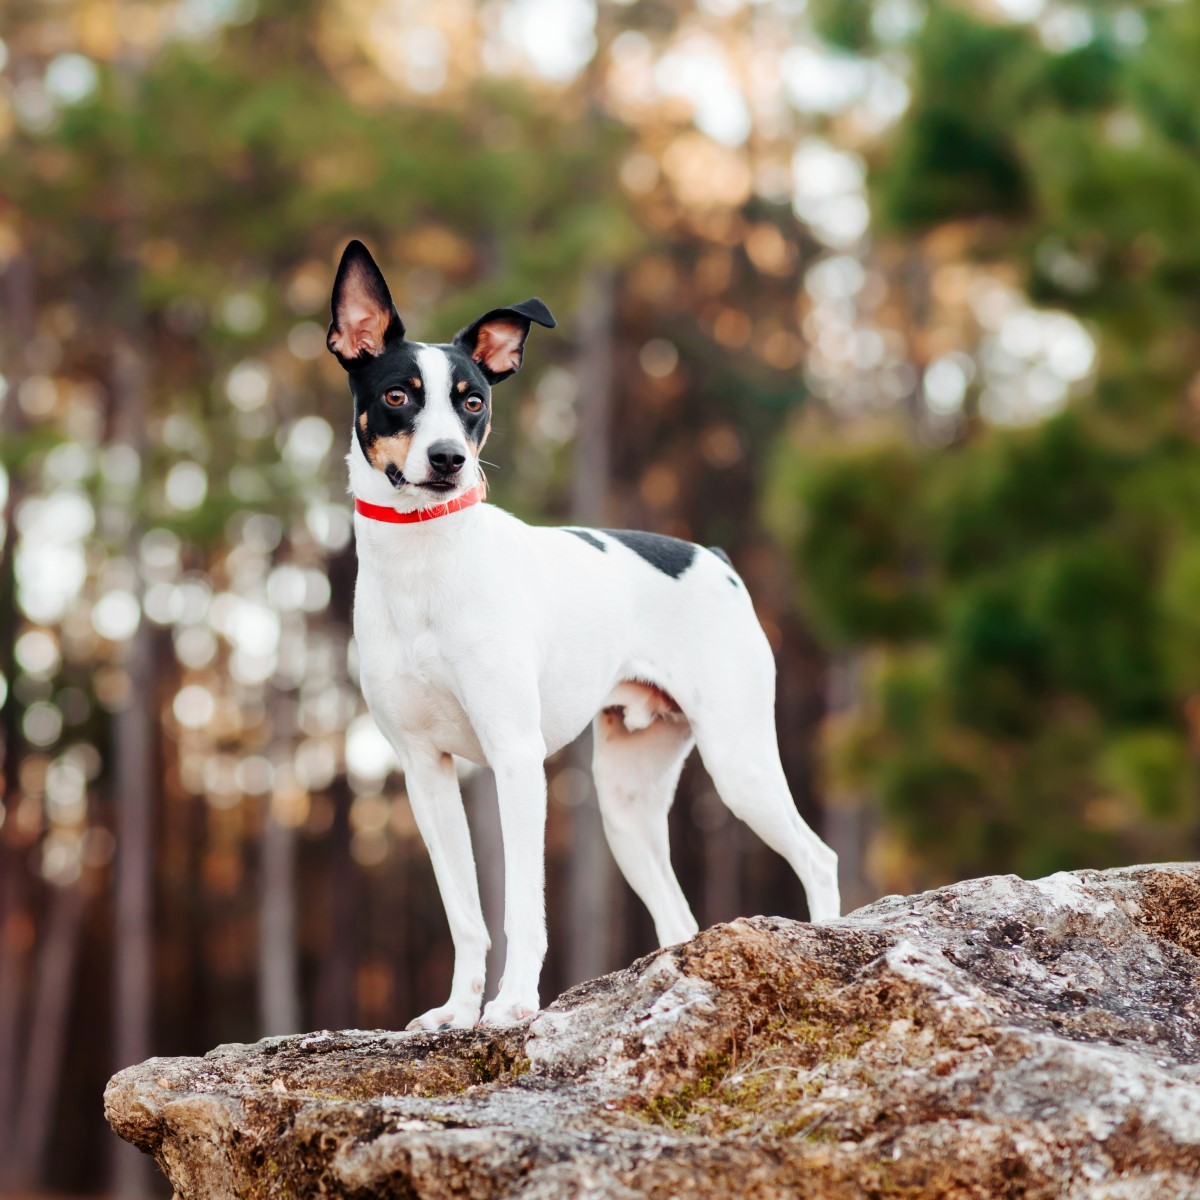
{"points": [[395, 397], [473, 403]]}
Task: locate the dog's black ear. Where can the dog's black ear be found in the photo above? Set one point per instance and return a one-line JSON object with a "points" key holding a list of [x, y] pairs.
{"points": [[497, 340], [364, 317]]}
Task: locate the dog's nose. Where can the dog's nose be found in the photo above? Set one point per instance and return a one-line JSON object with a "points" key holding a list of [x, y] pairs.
{"points": [[446, 457]]}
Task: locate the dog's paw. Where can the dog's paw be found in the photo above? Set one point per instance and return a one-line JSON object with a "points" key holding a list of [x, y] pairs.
{"points": [[824, 905], [450, 1017], [506, 1012]]}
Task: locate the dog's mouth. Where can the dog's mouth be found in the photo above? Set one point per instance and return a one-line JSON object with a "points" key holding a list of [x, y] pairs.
{"points": [[439, 485]]}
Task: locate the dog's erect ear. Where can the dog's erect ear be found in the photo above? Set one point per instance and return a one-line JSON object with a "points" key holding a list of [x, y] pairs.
{"points": [[497, 340], [364, 317]]}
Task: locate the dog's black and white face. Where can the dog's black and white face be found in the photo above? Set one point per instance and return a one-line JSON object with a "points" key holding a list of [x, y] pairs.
{"points": [[421, 412]]}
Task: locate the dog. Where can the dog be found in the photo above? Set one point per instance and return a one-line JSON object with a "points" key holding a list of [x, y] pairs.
{"points": [[484, 637]]}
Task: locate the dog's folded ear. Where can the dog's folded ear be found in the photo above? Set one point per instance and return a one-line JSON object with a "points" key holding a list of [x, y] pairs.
{"points": [[497, 340], [364, 318]]}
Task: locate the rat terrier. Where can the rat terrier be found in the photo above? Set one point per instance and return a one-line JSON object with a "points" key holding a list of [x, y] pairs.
{"points": [[498, 641]]}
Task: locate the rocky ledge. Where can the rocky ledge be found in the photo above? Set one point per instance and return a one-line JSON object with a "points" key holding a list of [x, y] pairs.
{"points": [[995, 1038]]}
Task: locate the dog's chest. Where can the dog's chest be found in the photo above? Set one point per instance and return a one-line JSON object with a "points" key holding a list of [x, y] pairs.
{"points": [[411, 664]]}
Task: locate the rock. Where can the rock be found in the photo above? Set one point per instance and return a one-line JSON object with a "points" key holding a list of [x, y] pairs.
{"points": [[994, 1038]]}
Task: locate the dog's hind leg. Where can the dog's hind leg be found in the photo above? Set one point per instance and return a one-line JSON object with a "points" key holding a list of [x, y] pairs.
{"points": [[635, 775], [742, 756]]}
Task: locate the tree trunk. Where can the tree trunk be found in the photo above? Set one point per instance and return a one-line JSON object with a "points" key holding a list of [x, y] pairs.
{"points": [[724, 855], [132, 777], [594, 915], [278, 968], [278, 975], [134, 752], [133, 802], [50, 1015], [13, 956], [336, 1007], [847, 819], [15, 917]]}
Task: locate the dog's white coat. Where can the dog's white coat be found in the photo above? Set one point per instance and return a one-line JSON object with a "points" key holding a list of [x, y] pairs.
{"points": [[484, 637]]}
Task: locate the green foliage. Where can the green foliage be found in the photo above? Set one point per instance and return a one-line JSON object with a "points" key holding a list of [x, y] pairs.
{"points": [[1051, 485], [1179, 608], [955, 154], [862, 529], [845, 23], [1083, 79], [1093, 601], [1161, 80], [1042, 711], [1054, 648], [996, 661], [937, 802], [1152, 766]]}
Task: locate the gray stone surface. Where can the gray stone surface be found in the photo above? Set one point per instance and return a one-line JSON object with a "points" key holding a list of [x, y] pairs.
{"points": [[994, 1038]]}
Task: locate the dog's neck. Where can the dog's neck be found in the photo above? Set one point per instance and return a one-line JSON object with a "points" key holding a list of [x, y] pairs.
{"points": [[425, 543], [392, 516]]}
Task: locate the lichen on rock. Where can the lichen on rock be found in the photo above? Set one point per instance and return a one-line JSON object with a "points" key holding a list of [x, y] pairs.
{"points": [[997, 1038]]}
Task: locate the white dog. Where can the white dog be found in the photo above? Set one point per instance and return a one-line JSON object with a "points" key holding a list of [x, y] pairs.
{"points": [[488, 638]]}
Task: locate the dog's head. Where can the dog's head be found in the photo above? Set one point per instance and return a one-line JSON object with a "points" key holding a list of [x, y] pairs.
{"points": [[422, 412]]}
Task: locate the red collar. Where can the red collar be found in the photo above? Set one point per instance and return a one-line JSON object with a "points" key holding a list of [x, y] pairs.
{"points": [[378, 512]]}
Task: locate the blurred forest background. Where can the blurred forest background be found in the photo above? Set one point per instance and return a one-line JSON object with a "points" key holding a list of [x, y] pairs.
{"points": [[897, 301]]}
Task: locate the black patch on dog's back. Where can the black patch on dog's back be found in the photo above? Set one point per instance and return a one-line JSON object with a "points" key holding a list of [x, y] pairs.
{"points": [[669, 555], [590, 538]]}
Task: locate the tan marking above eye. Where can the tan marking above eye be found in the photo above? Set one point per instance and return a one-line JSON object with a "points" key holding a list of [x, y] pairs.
{"points": [[415, 381], [461, 386]]}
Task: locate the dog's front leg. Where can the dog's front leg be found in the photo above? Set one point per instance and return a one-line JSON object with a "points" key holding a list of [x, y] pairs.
{"points": [[437, 807], [521, 788]]}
